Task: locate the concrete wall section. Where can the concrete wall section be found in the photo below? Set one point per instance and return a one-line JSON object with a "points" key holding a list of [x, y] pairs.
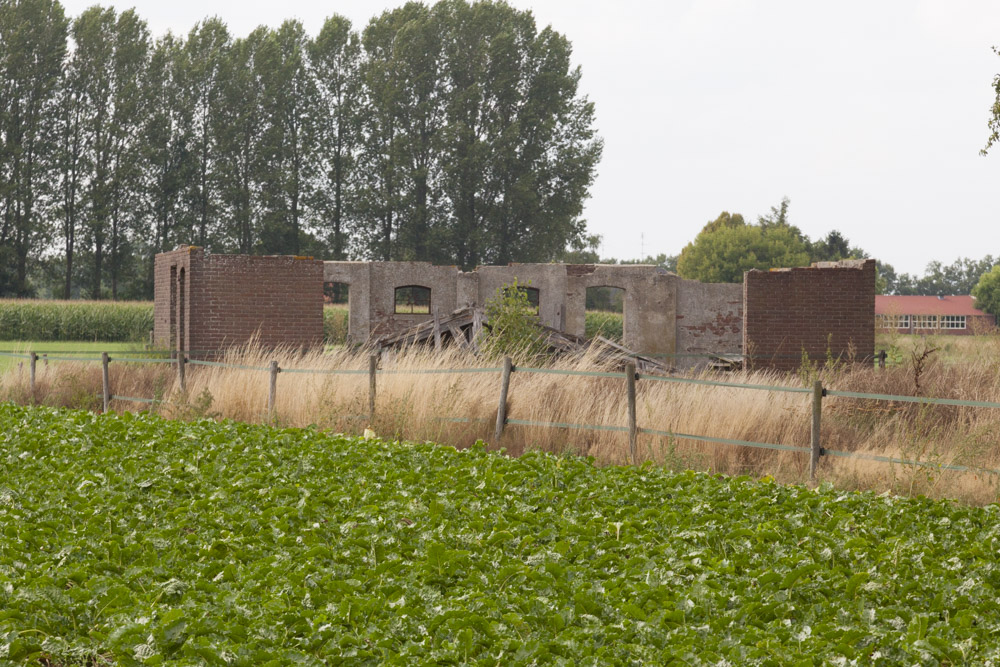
{"points": [[387, 276], [549, 279], [357, 276], [709, 321], [650, 303], [828, 308], [467, 290]]}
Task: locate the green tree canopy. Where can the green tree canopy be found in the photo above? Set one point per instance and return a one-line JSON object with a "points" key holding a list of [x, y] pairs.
{"points": [[452, 132], [939, 279], [987, 292], [727, 247]]}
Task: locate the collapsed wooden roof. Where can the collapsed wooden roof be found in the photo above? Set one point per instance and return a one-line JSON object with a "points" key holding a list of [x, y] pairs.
{"points": [[464, 328]]}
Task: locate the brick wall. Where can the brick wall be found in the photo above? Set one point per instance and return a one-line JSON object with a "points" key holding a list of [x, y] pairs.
{"points": [[226, 300], [829, 306]]}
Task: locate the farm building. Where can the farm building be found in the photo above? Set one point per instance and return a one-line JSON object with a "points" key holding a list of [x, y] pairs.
{"points": [[955, 315], [205, 303]]}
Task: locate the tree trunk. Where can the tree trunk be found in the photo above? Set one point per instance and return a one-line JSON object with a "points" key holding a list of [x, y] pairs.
{"points": [[98, 260], [68, 292]]}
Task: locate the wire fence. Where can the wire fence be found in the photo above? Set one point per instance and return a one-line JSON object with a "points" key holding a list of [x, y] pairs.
{"points": [[817, 393]]}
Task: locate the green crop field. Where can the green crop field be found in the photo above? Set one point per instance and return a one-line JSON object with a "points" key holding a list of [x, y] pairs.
{"points": [[134, 540]]}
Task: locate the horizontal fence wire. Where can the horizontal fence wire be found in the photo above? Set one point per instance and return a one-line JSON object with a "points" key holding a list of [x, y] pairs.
{"points": [[135, 399], [145, 360], [725, 441], [435, 371], [219, 364], [325, 371], [716, 383], [553, 371], [582, 427], [115, 352], [78, 359], [464, 420], [890, 459], [915, 399], [15, 355], [713, 355]]}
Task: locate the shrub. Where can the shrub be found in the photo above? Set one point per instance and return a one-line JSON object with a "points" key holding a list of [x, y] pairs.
{"points": [[987, 292], [335, 321], [513, 326]]}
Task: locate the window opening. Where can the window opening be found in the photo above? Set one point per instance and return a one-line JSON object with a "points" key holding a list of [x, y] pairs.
{"points": [[412, 299], [172, 334], [336, 294], [531, 292], [181, 342]]}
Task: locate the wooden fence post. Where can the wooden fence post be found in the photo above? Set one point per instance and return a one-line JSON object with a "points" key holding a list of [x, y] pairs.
{"points": [[633, 429], [477, 328], [504, 388], [181, 377], [272, 390], [31, 375], [437, 331], [817, 411], [372, 368], [105, 380]]}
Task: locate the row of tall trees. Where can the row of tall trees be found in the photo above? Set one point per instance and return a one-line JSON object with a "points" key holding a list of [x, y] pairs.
{"points": [[451, 133]]}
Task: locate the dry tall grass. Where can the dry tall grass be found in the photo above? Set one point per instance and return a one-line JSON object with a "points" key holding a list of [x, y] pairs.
{"points": [[426, 406]]}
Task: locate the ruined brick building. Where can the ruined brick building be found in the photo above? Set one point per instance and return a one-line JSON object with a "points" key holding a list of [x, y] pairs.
{"points": [[206, 302]]}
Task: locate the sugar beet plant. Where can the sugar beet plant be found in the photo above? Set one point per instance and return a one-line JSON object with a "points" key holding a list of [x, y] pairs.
{"points": [[133, 540]]}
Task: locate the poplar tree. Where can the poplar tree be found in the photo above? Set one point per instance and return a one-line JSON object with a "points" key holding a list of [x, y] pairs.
{"points": [[289, 100], [202, 63], [239, 129], [335, 57], [33, 38], [520, 146], [168, 162]]}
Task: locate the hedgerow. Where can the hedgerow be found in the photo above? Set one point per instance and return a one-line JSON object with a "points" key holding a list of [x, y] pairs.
{"points": [[134, 540]]}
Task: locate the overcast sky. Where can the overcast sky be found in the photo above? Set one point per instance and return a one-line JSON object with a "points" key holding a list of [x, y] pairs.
{"points": [[869, 116]]}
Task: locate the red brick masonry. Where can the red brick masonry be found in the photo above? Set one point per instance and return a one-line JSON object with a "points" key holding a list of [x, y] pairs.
{"points": [[206, 302], [829, 306]]}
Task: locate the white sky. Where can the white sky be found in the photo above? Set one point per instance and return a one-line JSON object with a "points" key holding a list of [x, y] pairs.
{"points": [[868, 115]]}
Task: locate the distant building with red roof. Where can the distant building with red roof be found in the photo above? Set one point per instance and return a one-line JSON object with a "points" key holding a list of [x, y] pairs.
{"points": [[955, 315]]}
